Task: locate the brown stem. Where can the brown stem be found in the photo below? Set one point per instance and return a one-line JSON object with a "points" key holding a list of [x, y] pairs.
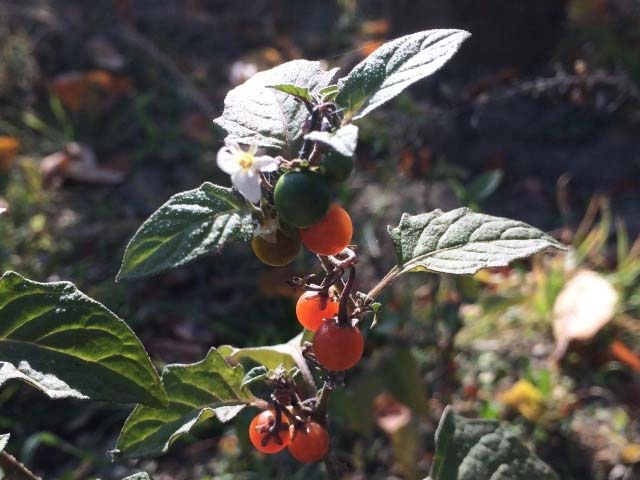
{"points": [[13, 469], [343, 311]]}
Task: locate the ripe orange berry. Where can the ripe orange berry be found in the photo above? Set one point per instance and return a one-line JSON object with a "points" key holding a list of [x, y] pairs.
{"points": [[309, 443], [331, 234], [312, 308], [262, 438], [336, 347]]}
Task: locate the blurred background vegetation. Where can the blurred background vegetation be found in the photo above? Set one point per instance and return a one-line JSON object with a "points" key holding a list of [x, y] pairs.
{"points": [[105, 112]]}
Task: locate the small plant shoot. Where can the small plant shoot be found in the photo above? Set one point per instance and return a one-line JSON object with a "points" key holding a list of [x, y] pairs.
{"points": [[291, 135]]}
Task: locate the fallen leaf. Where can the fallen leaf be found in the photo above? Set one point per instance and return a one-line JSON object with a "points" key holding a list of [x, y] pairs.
{"points": [[630, 453], [80, 91], [8, 150], [390, 414], [525, 398], [378, 27], [585, 305], [76, 162], [623, 354]]}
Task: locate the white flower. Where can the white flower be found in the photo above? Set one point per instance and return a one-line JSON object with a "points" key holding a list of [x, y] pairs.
{"points": [[244, 168]]}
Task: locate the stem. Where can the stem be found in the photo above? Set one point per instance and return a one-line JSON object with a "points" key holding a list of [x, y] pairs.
{"points": [[14, 469], [316, 119], [343, 312], [384, 283], [322, 405]]}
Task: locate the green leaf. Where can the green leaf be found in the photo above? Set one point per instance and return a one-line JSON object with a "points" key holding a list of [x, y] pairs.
{"points": [[62, 342], [4, 439], [299, 92], [138, 476], [329, 93], [190, 225], [344, 140], [208, 389], [463, 242], [471, 449], [256, 114], [255, 374], [286, 354], [395, 66]]}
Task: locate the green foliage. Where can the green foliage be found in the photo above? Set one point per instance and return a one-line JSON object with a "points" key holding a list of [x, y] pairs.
{"points": [[344, 140], [190, 225], [62, 342], [138, 476], [287, 355], [471, 449], [463, 242], [299, 92], [256, 114], [395, 66], [197, 392]]}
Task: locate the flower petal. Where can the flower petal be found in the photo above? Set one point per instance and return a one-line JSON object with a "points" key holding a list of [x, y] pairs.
{"points": [[227, 161], [253, 148], [233, 146], [265, 163], [248, 184]]}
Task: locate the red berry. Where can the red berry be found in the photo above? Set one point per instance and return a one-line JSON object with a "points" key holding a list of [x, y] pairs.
{"points": [[330, 235], [337, 347], [261, 436], [312, 308], [309, 443]]}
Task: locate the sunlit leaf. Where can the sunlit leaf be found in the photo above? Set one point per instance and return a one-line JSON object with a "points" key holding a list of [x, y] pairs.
{"points": [[286, 354], [463, 242], [4, 439], [344, 140], [395, 66], [62, 342], [472, 449], [190, 225], [254, 113], [197, 392]]}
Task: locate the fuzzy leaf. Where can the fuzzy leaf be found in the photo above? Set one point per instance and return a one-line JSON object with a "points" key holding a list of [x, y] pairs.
{"points": [[269, 118], [4, 439], [395, 66], [62, 342], [208, 389], [464, 242], [344, 140], [473, 449], [190, 225]]}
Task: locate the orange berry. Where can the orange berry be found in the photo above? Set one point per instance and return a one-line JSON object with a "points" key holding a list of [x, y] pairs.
{"points": [[264, 440], [309, 443], [331, 234], [277, 254], [336, 347], [312, 308]]}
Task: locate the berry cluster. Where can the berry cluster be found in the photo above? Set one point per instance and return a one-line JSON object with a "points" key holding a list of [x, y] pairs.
{"points": [[296, 208], [307, 442]]}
